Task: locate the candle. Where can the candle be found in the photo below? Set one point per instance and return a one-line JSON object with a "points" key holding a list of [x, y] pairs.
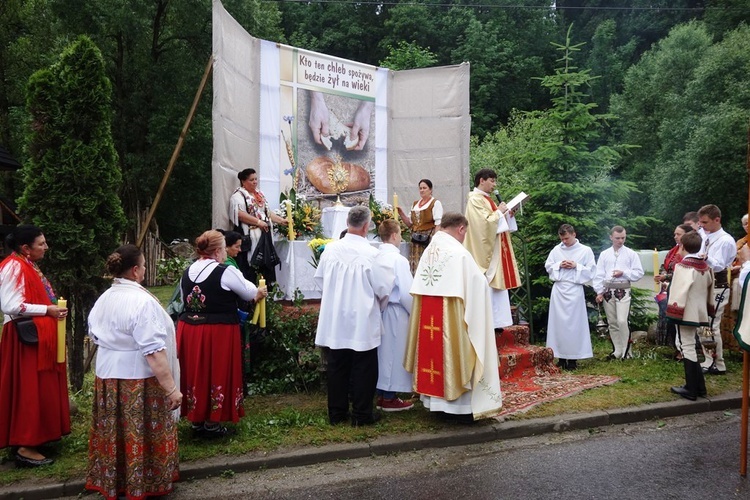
{"points": [[262, 305], [290, 226], [61, 323], [657, 286], [395, 206]]}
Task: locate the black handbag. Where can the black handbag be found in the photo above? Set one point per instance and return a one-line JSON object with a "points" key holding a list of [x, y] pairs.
{"points": [[420, 238], [26, 329], [265, 255]]}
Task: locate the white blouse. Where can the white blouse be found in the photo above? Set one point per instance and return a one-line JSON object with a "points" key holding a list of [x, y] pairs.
{"points": [[12, 298], [128, 323]]}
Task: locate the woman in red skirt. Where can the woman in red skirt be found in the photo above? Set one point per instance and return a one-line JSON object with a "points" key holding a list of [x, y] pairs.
{"points": [[207, 342], [33, 385], [133, 436]]}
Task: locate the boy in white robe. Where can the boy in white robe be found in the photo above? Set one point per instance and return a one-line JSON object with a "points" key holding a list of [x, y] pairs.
{"points": [[570, 265], [392, 377]]}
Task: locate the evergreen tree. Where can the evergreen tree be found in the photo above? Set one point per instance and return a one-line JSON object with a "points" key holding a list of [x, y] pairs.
{"points": [[569, 178], [71, 181]]}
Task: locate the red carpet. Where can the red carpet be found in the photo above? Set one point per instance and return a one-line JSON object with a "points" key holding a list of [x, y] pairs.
{"points": [[528, 376]]}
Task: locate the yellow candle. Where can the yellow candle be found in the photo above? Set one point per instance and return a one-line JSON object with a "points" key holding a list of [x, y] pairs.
{"points": [[395, 206], [61, 323], [657, 286], [290, 226], [262, 305]]}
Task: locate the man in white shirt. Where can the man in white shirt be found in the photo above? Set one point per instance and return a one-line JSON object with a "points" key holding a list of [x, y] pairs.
{"points": [[349, 323], [570, 265], [617, 267], [720, 251]]}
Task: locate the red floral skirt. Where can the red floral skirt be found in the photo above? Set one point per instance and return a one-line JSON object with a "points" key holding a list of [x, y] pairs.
{"points": [[34, 406], [211, 372], [133, 440]]}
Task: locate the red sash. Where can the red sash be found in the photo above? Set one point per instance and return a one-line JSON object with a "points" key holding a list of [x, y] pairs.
{"points": [[429, 372]]}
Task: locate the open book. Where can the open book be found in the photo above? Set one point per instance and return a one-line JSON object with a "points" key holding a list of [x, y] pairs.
{"points": [[516, 201]]}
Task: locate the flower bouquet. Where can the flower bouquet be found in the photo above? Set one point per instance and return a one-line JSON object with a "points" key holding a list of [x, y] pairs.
{"points": [[305, 216], [381, 211], [317, 246]]}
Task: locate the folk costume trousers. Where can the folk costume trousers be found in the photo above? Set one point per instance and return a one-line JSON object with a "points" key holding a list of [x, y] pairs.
{"points": [[721, 296], [618, 311]]}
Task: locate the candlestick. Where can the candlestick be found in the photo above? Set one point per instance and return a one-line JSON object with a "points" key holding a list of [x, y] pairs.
{"points": [[395, 206], [61, 324], [262, 305], [290, 226], [657, 286]]}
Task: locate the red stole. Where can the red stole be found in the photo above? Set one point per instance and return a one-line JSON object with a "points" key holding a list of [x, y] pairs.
{"points": [[35, 293], [511, 276], [429, 379]]}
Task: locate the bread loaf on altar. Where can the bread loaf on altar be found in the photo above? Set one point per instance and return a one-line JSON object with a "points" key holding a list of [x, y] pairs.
{"points": [[317, 172]]}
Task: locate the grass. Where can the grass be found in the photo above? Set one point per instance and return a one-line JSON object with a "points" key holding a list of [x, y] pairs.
{"points": [[288, 421]]}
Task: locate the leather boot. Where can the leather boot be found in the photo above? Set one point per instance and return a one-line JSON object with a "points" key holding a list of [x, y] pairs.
{"points": [[687, 391], [700, 380]]}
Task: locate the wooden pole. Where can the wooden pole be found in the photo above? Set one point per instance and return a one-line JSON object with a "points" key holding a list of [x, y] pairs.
{"points": [[745, 359], [175, 153]]}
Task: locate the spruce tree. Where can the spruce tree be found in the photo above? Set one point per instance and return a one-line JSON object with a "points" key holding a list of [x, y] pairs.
{"points": [[71, 181]]}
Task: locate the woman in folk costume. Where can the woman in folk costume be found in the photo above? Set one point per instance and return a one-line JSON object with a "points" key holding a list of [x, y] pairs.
{"points": [[33, 385], [208, 345], [249, 213], [133, 435], [425, 215]]}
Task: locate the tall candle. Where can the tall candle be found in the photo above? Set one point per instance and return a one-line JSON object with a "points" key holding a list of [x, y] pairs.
{"points": [[262, 305], [290, 226], [61, 324], [395, 206], [657, 286]]}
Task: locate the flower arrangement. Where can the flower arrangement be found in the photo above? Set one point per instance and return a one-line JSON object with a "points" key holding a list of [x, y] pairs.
{"points": [[381, 211], [317, 246], [305, 216]]}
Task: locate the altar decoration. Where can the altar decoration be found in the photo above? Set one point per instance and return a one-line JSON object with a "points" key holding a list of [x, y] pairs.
{"points": [[305, 217], [381, 211], [317, 246]]}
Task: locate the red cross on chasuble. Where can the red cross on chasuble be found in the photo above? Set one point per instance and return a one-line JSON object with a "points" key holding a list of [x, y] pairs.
{"points": [[430, 367]]}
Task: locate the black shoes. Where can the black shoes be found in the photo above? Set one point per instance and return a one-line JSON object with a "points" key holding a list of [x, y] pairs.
{"points": [[374, 419], [25, 462], [684, 392], [217, 432], [567, 364], [712, 370]]}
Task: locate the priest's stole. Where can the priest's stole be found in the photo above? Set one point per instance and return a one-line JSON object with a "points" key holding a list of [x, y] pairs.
{"points": [[429, 374]]}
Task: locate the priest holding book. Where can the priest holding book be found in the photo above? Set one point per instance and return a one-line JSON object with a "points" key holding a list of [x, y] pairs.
{"points": [[488, 241]]}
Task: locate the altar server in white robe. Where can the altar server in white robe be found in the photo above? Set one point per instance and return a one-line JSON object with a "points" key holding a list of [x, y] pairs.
{"points": [[390, 264], [349, 322], [570, 265]]}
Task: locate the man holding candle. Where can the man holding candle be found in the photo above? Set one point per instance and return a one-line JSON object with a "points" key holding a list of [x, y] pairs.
{"points": [[617, 267], [488, 241], [349, 322]]}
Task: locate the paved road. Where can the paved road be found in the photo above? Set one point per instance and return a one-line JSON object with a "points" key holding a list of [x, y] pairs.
{"points": [[695, 456]]}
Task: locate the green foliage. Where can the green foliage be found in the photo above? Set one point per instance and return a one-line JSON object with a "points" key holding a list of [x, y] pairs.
{"points": [[642, 313], [72, 178], [169, 270], [407, 55], [288, 360]]}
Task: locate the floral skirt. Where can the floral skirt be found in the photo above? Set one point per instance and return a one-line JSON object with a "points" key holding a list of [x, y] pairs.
{"points": [[133, 440], [211, 372], [415, 253]]}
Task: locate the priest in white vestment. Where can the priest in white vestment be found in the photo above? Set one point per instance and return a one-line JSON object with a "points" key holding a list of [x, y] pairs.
{"points": [[570, 265], [451, 351]]}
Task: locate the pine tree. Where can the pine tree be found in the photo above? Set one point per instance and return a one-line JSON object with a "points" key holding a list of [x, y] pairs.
{"points": [[71, 181]]}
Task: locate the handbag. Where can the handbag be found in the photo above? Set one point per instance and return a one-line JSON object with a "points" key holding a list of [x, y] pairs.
{"points": [[265, 255], [26, 329], [420, 238]]}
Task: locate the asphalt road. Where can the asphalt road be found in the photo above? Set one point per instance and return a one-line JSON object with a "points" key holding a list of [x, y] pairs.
{"points": [[695, 456]]}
